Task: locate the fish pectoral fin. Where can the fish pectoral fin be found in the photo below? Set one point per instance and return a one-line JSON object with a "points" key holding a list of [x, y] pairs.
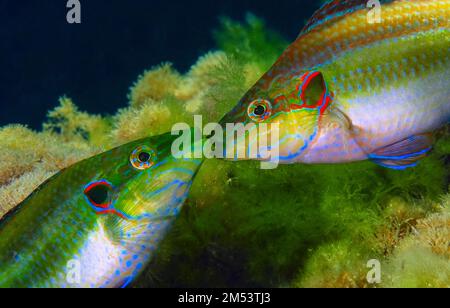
{"points": [[404, 154]]}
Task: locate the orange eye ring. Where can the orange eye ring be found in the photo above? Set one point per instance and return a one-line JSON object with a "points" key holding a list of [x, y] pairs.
{"points": [[143, 158], [259, 110]]}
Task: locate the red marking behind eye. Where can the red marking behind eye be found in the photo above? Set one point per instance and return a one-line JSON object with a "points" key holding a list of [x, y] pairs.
{"points": [[88, 190], [297, 106], [305, 87], [278, 99], [306, 80]]}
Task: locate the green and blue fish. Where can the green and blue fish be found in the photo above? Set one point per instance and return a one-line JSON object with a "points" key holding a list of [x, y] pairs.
{"points": [[99, 222], [362, 81]]}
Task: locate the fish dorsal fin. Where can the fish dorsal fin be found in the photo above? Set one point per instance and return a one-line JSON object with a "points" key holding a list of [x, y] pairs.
{"points": [[337, 9], [404, 154]]}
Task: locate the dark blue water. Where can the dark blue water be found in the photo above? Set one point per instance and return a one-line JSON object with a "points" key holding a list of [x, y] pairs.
{"points": [[42, 57]]}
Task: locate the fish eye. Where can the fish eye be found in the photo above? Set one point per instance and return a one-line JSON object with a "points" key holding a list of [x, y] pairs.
{"points": [[143, 158], [260, 110]]}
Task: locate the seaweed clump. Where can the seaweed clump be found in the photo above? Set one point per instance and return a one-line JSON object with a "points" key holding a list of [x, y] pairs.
{"points": [[298, 225], [422, 259]]}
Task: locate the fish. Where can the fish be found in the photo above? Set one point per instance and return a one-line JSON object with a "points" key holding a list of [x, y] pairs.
{"points": [[98, 223], [364, 80]]}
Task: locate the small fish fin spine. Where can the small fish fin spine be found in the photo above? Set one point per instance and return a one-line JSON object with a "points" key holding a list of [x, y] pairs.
{"points": [[404, 154]]}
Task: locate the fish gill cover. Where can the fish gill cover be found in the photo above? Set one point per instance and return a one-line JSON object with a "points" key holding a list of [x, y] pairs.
{"points": [[296, 226]]}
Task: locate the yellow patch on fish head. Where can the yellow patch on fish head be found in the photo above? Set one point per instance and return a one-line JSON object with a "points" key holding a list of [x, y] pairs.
{"points": [[296, 104]]}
